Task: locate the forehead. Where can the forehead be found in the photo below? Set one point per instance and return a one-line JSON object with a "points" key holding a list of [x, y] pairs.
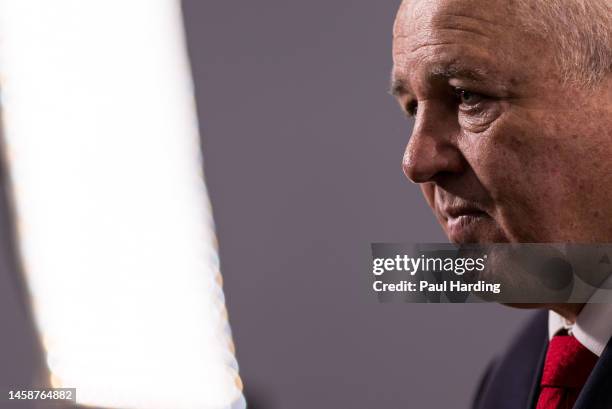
{"points": [[432, 33], [475, 14]]}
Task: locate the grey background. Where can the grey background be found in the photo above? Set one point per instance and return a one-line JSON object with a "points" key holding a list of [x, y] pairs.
{"points": [[302, 157], [302, 154]]}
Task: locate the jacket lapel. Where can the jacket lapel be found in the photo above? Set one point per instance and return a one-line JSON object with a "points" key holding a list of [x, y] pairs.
{"points": [[534, 392], [597, 392], [514, 382]]}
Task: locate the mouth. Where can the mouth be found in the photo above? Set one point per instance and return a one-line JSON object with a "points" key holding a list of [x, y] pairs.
{"points": [[465, 223]]}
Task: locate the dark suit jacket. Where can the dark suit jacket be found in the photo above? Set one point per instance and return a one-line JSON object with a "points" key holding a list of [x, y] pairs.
{"points": [[512, 381]]}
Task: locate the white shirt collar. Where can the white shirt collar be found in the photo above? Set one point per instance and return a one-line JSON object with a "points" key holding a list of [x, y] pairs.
{"points": [[593, 326]]}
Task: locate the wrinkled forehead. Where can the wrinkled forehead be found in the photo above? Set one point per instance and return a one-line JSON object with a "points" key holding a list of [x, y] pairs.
{"points": [[431, 33], [416, 16]]}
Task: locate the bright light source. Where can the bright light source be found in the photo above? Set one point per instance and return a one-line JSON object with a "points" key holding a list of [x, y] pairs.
{"points": [[115, 229]]}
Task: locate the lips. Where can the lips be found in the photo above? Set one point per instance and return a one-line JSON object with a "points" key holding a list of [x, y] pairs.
{"points": [[464, 222]]}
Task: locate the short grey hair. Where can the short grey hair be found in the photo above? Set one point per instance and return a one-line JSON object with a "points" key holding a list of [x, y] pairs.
{"points": [[580, 32]]}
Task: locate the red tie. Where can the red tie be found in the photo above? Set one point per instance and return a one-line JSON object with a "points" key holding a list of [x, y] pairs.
{"points": [[566, 369]]}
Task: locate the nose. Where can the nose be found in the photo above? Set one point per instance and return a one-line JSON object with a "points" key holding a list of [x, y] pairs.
{"points": [[432, 149]]}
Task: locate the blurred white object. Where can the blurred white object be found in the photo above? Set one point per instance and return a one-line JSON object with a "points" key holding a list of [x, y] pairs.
{"points": [[115, 229]]}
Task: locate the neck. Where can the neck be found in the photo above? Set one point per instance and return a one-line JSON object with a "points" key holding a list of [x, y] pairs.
{"points": [[567, 311]]}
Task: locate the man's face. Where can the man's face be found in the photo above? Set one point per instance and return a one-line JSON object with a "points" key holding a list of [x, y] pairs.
{"points": [[503, 150]]}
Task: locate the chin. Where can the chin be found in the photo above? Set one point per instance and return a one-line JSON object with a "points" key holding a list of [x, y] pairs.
{"points": [[485, 232]]}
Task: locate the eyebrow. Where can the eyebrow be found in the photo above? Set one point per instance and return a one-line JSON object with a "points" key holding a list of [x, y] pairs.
{"points": [[398, 87], [454, 69], [458, 70]]}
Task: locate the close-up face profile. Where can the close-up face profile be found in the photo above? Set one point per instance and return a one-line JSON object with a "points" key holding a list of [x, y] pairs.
{"points": [[512, 109], [176, 234]]}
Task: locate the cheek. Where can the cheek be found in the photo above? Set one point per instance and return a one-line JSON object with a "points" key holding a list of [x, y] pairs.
{"points": [[522, 171], [479, 120], [519, 169]]}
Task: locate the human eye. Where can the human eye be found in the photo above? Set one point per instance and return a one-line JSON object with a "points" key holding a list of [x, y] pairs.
{"points": [[476, 110], [468, 100]]}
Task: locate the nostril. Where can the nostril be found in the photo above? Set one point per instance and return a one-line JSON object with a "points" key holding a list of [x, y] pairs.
{"points": [[418, 175]]}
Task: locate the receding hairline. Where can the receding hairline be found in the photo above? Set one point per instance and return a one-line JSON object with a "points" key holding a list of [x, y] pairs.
{"points": [[579, 33]]}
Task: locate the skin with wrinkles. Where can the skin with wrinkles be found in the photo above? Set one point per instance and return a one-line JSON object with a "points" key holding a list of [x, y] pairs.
{"points": [[496, 129]]}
